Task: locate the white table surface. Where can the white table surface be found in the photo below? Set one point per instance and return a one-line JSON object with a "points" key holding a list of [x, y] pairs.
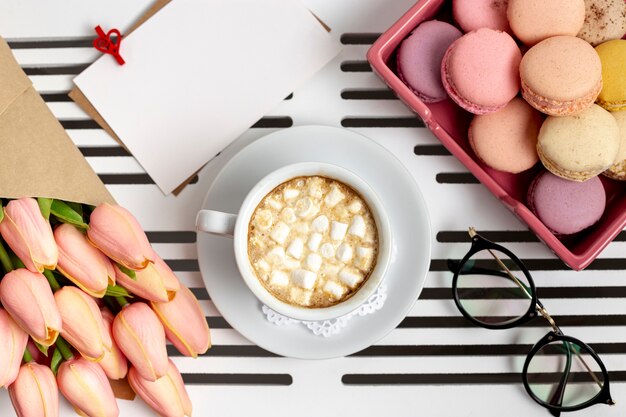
{"points": [[435, 363]]}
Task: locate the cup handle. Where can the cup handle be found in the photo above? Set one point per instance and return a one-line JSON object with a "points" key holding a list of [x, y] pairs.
{"points": [[216, 222]]}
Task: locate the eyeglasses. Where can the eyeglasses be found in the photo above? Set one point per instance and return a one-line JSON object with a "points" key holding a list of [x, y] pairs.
{"points": [[560, 373]]}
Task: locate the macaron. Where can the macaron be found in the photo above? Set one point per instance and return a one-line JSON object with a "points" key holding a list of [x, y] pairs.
{"points": [[506, 140], [618, 170], [605, 20], [561, 75], [566, 207], [581, 146], [419, 59], [476, 14], [535, 20], [613, 57], [480, 70]]}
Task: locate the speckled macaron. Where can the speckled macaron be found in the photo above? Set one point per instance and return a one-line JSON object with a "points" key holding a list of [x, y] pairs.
{"points": [[618, 170], [506, 140], [566, 207], [605, 20], [581, 146]]}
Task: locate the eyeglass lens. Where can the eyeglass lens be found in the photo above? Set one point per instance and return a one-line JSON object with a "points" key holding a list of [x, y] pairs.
{"points": [[491, 294], [563, 374]]}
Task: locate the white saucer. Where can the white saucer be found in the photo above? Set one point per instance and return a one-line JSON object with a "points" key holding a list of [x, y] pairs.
{"points": [[409, 223]]}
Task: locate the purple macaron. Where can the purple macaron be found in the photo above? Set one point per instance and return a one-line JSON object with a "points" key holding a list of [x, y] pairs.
{"points": [[564, 206], [419, 59]]}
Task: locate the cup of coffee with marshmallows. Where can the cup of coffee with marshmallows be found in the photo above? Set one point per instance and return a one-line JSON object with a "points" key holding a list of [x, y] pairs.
{"points": [[312, 240]]}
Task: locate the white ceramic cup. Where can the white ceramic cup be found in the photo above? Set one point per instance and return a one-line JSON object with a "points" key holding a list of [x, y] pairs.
{"points": [[236, 226]]}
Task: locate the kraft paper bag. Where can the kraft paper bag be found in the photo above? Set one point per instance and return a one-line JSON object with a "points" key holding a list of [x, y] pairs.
{"points": [[38, 157]]}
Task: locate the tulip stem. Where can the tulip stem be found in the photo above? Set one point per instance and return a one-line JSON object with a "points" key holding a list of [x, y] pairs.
{"points": [[27, 356], [64, 348], [54, 284], [122, 301], [5, 259]]}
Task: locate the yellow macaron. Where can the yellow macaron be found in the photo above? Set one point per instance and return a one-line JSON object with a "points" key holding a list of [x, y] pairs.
{"points": [[613, 57]]}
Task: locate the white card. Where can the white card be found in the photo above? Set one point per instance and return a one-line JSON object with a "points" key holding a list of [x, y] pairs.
{"points": [[201, 72]]}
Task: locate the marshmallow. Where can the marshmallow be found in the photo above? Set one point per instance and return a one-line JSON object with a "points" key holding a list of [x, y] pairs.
{"points": [[264, 219], [331, 271], [288, 215], [280, 233], [303, 278], [344, 253], [279, 278], [327, 250], [357, 228], [320, 224], [338, 230], [313, 262], [314, 242], [355, 206], [276, 205], [334, 289], [296, 248], [315, 188], [304, 207], [290, 264], [350, 277], [263, 265], [334, 197], [300, 296], [276, 255], [364, 258], [290, 193]]}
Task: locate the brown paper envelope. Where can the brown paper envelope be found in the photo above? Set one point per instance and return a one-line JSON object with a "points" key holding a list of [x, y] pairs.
{"points": [[38, 158], [122, 389]]}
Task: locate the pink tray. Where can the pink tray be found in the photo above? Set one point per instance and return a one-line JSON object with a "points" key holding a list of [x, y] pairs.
{"points": [[449, 123]]}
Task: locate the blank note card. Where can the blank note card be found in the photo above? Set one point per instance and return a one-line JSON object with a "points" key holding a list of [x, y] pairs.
{"points": [[199, 73]]}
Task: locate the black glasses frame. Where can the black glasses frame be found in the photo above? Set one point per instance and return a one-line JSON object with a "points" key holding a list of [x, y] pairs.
{"points": [[536, 308]]}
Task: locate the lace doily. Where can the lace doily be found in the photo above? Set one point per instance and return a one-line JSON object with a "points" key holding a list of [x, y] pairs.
{"points": [[332, 327]]}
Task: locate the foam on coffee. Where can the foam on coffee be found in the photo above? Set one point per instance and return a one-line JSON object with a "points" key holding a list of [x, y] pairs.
{"points": [[312, 241]]}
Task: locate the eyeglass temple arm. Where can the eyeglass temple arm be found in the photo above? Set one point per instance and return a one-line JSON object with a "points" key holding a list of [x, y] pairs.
{"points": [[541, 309], [557, 397]]}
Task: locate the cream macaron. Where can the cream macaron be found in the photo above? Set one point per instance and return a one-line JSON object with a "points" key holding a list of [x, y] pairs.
{"points": [[581, 146], [618, 170]]}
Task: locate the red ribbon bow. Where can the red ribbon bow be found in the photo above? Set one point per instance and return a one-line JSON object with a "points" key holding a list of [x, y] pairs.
{"points": [[104, 43]]}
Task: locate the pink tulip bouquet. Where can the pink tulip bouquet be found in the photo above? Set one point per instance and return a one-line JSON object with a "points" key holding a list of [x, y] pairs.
{"points": [[85, 300]]}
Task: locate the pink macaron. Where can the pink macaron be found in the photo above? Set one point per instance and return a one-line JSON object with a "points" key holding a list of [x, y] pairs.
{"points": [[480, 70], [419, 59], [476, 14], [564, 206]]}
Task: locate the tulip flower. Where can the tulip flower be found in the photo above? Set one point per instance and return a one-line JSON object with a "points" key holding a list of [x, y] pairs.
{"points": [[115, 231], [87, 388], [114, 362], [156, 282], [27, 297], [83, 326], [12, 344], [140, 336], [29, 235], [34, 393], [184, 323], [166, 396], [82, 263]]}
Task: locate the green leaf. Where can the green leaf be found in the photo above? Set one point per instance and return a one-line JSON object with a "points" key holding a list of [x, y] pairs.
{"points": [[67, 214], [1, 211], [44, 206], [57, 358], [131, 274], [77, 207], [42, 349], [117, 291]]}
